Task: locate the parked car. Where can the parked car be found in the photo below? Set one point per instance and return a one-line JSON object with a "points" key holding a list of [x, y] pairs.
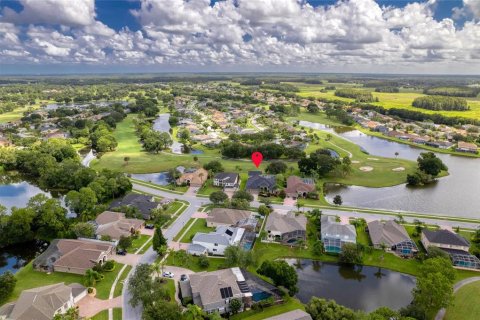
{"points": [[149, 226], [183, 277], [168, 274], [121, 252]]}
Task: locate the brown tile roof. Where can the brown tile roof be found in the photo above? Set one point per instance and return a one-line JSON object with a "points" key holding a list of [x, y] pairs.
{"points": [[296, 184], [227, 216]]}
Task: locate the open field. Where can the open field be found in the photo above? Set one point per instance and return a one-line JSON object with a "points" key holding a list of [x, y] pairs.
{"points": [[466, 304], [143, 162], [387, 100]]}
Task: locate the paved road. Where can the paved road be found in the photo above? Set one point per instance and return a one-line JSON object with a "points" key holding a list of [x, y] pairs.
{"points": [[456, 287], [150, 256]]}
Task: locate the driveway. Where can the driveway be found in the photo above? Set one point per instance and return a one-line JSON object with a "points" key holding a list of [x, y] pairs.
{"points": [[177, 271], [289, 202], [129, 258], [178, 245], [90, 306], [148, 232], [200, 215]]}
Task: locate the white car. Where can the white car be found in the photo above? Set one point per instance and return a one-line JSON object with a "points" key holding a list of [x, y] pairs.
{"points": [[168, 274]]}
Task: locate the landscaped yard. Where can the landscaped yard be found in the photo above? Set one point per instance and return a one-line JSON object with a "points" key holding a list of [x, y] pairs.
{"points": [[138, 242], [198, 226], [103, 315], [208, 188], [466, 305], [192, 263], [103, 287], [119, 287], [28, 278], [173, 207], [290, 305]]}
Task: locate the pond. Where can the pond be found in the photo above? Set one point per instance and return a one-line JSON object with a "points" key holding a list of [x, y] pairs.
{"points": [[160, 178], [455, 195], [17, 194], [161, 124], [14, 257], [357, 287]]}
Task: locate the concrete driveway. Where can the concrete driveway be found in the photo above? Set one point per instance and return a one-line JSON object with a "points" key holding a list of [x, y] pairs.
{"points": [[200, 215], [177, 272], [90, 306], [129, 258]]}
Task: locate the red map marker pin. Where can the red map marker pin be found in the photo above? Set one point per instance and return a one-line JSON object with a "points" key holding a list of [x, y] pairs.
{"points": [[257, 158]]}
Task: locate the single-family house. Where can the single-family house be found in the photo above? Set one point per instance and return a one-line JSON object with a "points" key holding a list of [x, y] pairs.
{"points": [[393, 236], [145, 204], [257, 182], [226, 180], [455, 245], [299, 187], [213, 291], [193, 179], [335, 234], [115, 225], [287, 228], [226, 217], [217, 241], [73, 255], [43, 303], [467, 147]]}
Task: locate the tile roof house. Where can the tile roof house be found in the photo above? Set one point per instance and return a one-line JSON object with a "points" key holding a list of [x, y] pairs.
{"points": [[142, 202], [226, 217], [455, 245], [217, 241], [226, 180], [73, 256], [115, 225], [194, 179], [335, 234], [257, 182], [43, 303], [466, 147], [299, 187], [212, 291], [393, 236], [288, 228]]}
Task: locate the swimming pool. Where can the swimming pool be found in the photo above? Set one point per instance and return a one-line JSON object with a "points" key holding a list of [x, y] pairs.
{"points": [[260, 295]]}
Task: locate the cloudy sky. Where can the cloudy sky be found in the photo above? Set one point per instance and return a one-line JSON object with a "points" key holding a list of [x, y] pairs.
{"points": [[387, 36]]}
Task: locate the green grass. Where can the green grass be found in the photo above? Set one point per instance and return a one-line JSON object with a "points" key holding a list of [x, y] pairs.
{"points": [[192, 263], [198, 226], [208, 188], [117, 313], [173, 207], [289, 305], [146, 248], [28, 278], [138, 242], [171, 288], [179, 234], [103, 315], [103, 287], [119, 287], [466, 304]]}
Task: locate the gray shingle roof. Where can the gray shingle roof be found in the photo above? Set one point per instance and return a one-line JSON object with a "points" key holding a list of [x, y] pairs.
{"points": [[389, 232], [332, 229], [285, 223], [261, 181], [445, 237]]}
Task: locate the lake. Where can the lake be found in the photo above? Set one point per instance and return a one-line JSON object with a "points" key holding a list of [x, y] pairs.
{"points": [[160, 178], [455, 195], [14, 257], [357, 287], [161, 124], [17, 194]]}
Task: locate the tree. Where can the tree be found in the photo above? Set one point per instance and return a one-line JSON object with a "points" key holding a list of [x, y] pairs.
{"points": [[429, 163], [350, 254], [218, 197], [214, 166], [337, 200], [72, 313], [281, 273], [235, 305], [242, 194], [124, 242], [263, 210], [276, 167], [126, 160], [7, 285], [313, 108], [434, 252], [162, 310], [193, 312], [140, 285], [317, 248], [84, 230], [159, 242], [321, 309], [397, 154], [82, 202], [90, 278], [203, 262], [237, 256]]}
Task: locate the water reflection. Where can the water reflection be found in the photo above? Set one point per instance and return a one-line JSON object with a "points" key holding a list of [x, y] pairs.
{"points": [[357, 287]]}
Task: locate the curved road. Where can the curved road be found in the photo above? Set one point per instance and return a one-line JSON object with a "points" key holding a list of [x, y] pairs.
{"points": [[456, 287], [150, 256]]}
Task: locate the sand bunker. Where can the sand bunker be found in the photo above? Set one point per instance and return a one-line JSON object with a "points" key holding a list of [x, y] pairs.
{"points": [[398, 169], [355, 161], [366, 169], [372, 159]]}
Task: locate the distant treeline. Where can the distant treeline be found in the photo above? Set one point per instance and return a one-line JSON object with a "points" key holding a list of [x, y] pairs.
{"points": [[233, 149], [418, 116], [283, 87], [387, 89], [358, 95], [453, 91], [441, 103]]}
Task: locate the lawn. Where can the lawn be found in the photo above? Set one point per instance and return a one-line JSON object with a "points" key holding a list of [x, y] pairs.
{"points": [[466, 304], [103, 315], [103, 287], [387, 100], [208, 188], [180, 233], [171, 288], [138, 242], [119, 287], [28, 278], [192, 263], [289, 305], [173, 207], [200, 225]]}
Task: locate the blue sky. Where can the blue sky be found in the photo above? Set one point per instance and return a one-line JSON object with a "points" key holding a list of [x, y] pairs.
{"points": [[388, 36]]}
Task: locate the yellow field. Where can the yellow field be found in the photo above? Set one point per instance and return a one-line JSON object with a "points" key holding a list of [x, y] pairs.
{"points": [[389, 100]]}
